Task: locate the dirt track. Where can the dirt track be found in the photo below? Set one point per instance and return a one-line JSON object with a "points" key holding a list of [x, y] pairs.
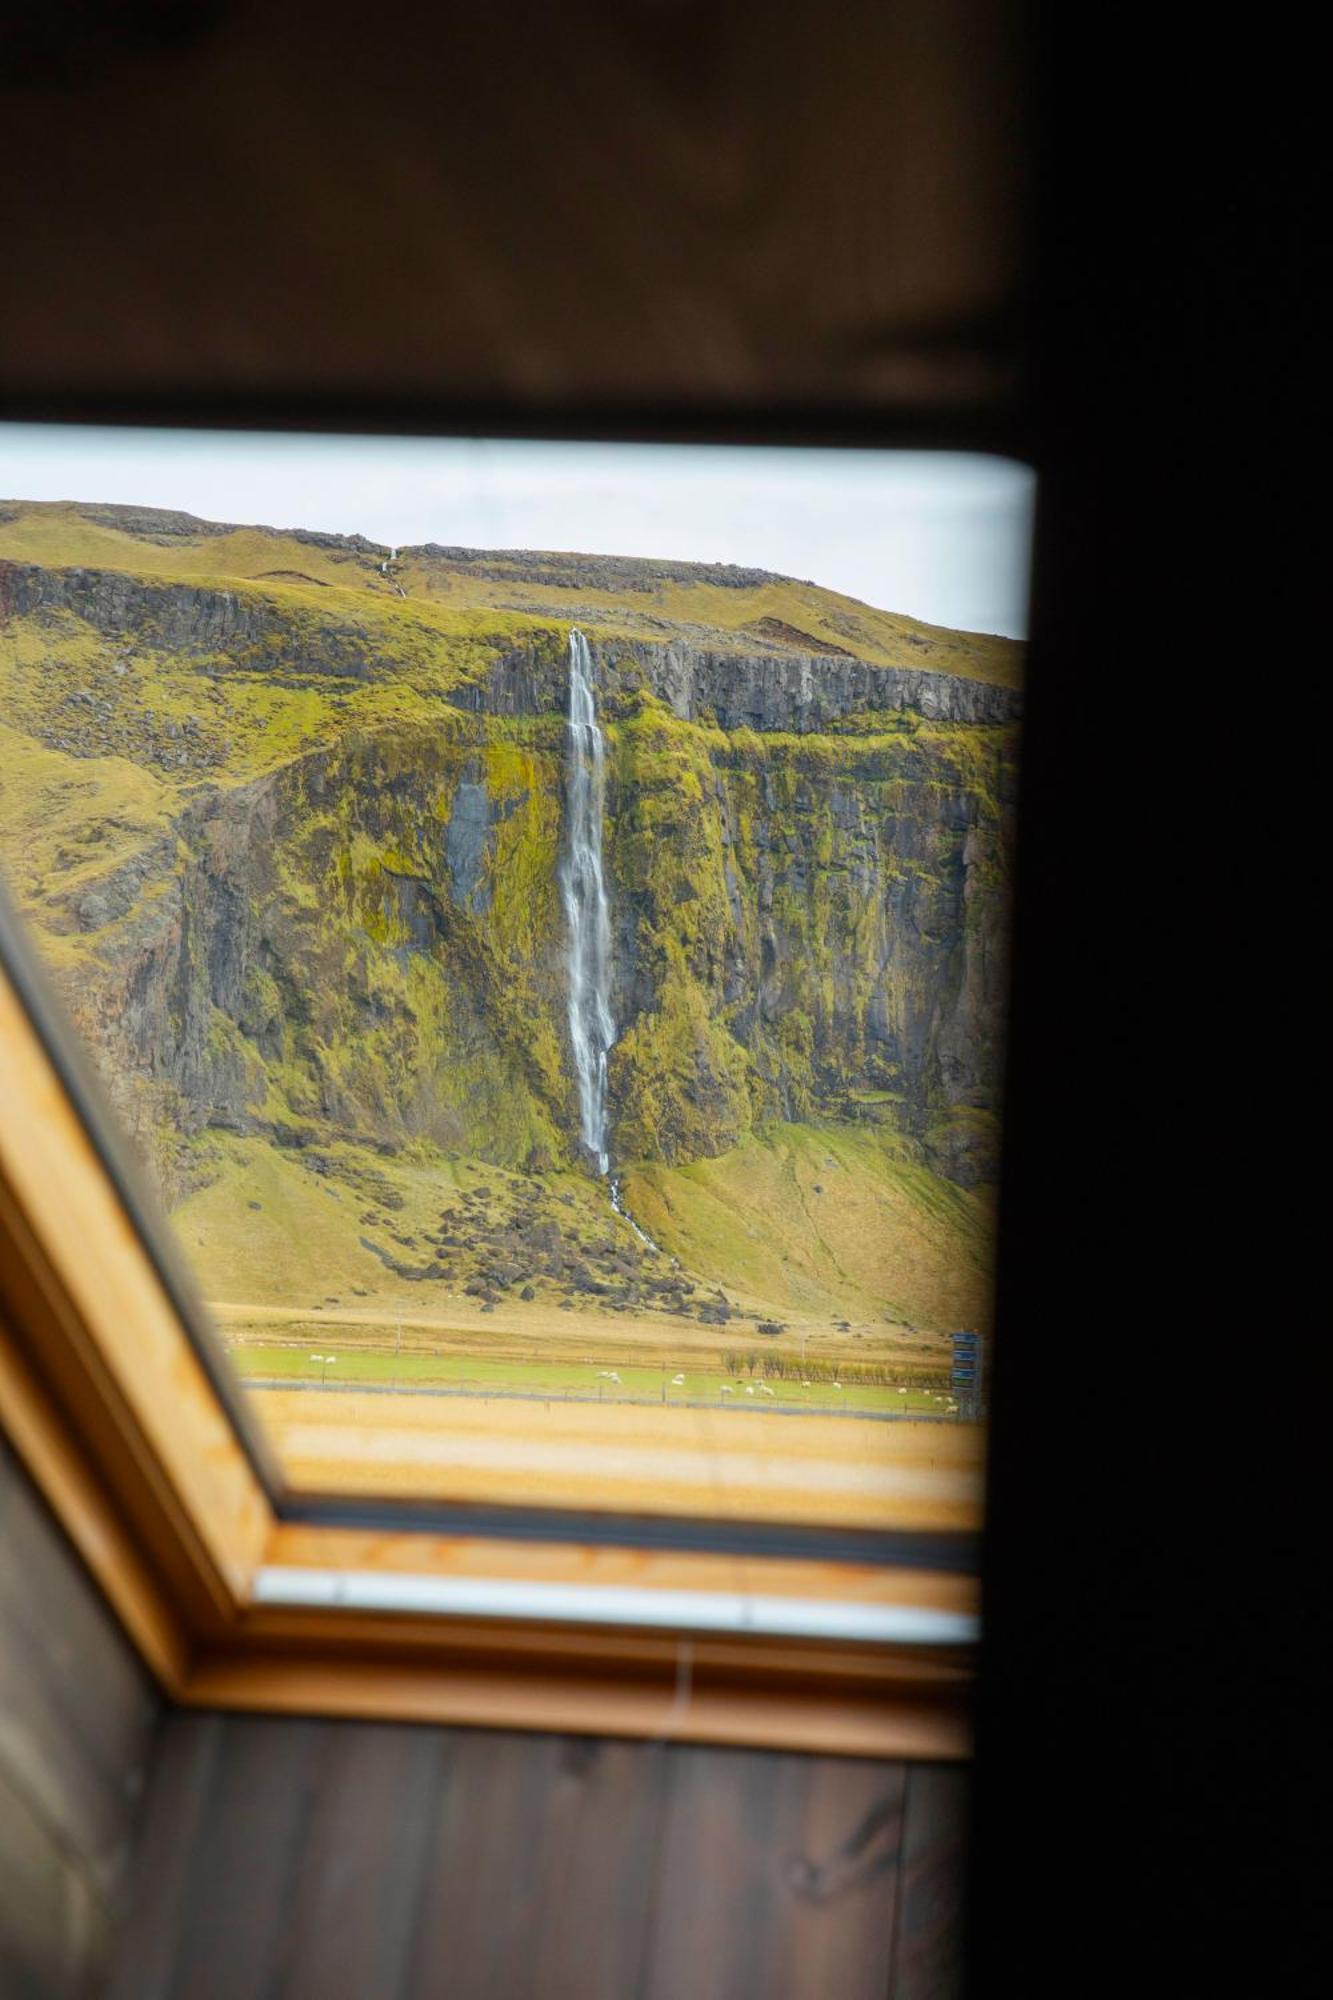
{"points": [[539, 1329]]}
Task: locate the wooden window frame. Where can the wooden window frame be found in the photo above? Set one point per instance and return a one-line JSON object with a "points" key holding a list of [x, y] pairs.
{"points": [[241, 1595]]}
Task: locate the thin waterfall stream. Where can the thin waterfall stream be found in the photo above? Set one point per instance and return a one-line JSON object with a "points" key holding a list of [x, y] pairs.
{"points": [[587, 914], [592, 1030]]}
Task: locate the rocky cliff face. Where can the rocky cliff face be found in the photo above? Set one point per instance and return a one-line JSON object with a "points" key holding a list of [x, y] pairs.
{"points": [[226, 631], [810, 927], [808, 857], [371, 937], [784, 691]]}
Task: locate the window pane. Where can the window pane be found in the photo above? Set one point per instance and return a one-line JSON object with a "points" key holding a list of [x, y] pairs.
{"points": [[556, 997]]}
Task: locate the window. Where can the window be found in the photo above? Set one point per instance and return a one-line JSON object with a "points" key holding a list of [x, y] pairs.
{"points": [[539, 921]]}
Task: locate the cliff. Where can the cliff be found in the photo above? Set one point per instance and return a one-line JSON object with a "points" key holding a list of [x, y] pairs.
{"points": [[290, 844]]}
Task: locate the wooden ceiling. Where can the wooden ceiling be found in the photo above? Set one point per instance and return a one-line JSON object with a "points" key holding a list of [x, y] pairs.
{"points": [[626, 204]]}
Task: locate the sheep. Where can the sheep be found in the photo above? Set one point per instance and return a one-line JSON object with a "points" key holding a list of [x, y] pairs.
{"points": [[677, 1381]]}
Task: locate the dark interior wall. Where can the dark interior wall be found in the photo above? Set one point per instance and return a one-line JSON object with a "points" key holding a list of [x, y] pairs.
{"points": [[624, 203], [277, 1859], [208, 1857], [781, 205], [77, 1716], [617, 202], [304, 1860]]}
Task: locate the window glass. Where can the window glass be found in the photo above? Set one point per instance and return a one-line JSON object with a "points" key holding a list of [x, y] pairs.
{"points": [[539, 914]]}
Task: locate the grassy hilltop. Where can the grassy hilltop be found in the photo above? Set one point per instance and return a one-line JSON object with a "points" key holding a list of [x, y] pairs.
{"points": [[284, 811]]}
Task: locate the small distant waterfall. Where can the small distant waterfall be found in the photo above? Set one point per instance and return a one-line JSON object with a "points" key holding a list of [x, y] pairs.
{"points": [[583, 892]]}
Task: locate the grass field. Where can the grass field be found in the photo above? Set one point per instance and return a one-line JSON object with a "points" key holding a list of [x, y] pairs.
{"points": [[646, 1414], [565, 1397], [828, 1231], [334, 1363]]}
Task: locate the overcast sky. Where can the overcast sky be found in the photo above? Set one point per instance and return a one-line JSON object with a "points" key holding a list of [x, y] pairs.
{"points": [[942, 536]]}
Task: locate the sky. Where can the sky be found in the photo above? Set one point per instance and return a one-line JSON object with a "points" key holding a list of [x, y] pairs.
{"points": [[941, 536]]}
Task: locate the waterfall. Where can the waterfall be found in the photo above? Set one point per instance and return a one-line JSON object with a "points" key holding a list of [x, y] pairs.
{"points": [[618, 1204], [583, 892]]}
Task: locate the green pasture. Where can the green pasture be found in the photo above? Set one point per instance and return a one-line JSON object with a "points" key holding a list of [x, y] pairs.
{"points": [[464, 1373]]}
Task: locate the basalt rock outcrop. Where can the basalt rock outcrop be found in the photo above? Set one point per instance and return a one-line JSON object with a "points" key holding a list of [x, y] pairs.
{"points": [[223, 630], [784, 691], [807, 855]]}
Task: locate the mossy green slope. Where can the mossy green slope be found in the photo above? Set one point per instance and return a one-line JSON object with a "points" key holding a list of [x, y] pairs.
{"points": [[756, 611], [293, 860]]}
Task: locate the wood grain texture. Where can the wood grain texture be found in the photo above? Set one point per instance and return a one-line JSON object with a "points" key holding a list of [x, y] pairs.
{"points": [[54, 1936], [81, 1503], [928, 1951], [824, 1718], [778, 1876], [412, 1552], [77, 1716], [98, 1326], [612, 200], [332, 1861], [542, 1869], [170, 1828]]}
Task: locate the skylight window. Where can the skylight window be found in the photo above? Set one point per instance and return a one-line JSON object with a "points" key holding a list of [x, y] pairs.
{"points": [[541, 923]]}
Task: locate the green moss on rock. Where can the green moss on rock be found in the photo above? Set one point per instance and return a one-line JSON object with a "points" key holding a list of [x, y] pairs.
{"points": [[307, 881]]}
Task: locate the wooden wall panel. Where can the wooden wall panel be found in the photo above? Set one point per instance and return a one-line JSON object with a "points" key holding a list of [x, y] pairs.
{"points": [[928, 1943], [337, 1860], [778, 1877], [77, 1715], [754, 203], [542, 1868]]}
